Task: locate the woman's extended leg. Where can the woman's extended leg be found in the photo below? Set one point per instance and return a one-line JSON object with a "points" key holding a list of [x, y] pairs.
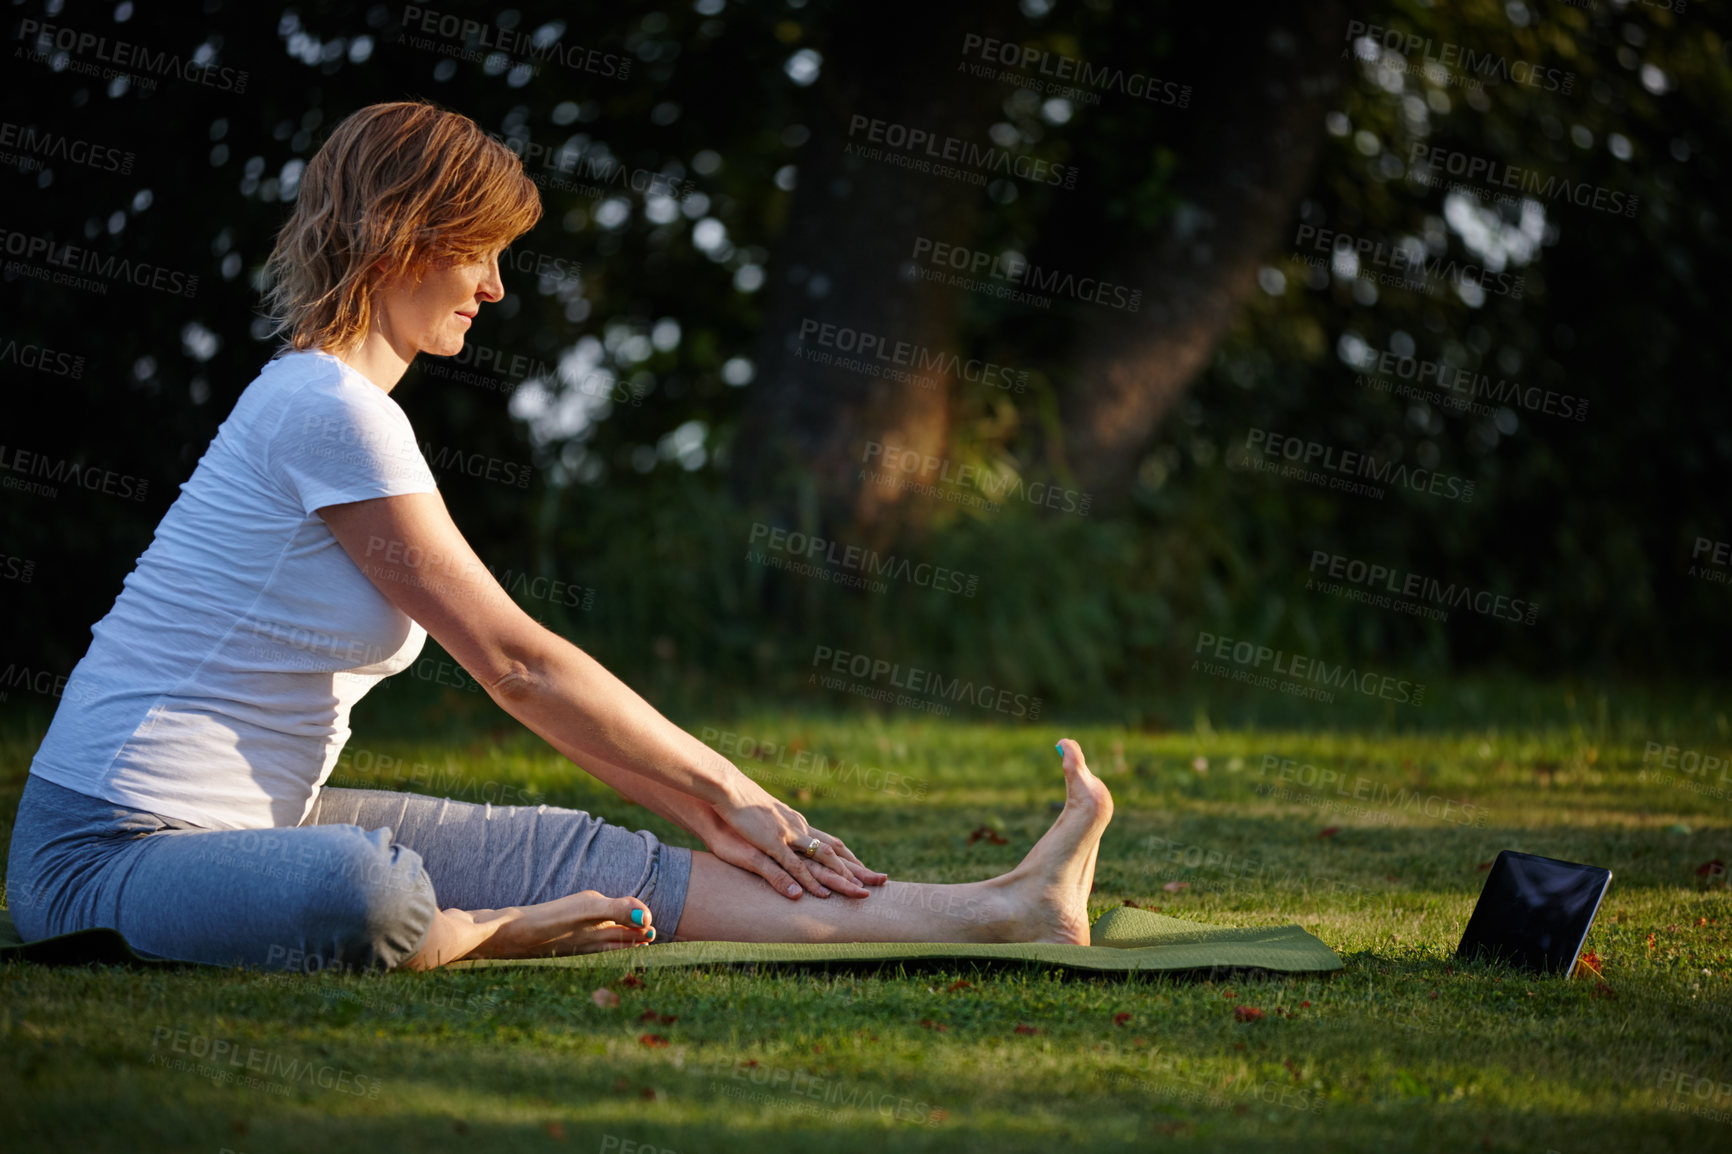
{"points": [[1044, 899]]}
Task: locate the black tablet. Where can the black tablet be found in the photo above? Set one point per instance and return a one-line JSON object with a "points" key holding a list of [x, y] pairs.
{"points": [[1534, 912]]}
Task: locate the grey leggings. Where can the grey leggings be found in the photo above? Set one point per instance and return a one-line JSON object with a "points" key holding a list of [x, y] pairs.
{"points": [[354, 886]]}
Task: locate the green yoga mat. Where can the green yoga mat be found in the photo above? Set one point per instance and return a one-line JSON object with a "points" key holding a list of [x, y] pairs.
{"points": [[1124, 940]]}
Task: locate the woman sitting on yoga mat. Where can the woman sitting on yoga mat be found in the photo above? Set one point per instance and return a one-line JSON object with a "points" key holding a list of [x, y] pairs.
{"points": [[177, 795]]}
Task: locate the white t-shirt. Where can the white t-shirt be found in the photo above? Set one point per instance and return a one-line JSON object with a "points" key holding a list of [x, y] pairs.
{"points": [[218, 688]]}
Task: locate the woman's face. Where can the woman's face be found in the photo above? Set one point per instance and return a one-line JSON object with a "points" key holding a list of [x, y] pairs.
{"points": [[431, 314]]}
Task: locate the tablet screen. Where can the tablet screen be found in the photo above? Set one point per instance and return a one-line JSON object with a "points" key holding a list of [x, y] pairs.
{"points": [[1534, 912]]}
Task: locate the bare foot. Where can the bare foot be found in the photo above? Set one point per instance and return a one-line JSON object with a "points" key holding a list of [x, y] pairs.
{"points": [[1047, 894], [580, 923]]}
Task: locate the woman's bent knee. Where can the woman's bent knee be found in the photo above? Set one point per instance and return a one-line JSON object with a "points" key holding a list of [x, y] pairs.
{"points": [[372, 908]]}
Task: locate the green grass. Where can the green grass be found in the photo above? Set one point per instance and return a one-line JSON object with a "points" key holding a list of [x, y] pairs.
{"points": [[1404, 1049]]}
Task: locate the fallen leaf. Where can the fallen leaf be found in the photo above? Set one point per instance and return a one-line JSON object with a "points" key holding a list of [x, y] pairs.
{"points": [[649, 1093], [1246, 1013], [1132, 904], [1434, 995], [1022, 1029], [1710, 869], [555, 1130], [1175, 887], [652, 1039], [1484, 865], [937, 1116], [631, 982], [1305, 1005], [1602, 990], [1331, 831], [958, 984], [605, 998], [931, 1025], [652, 1016], [1588, 963], [987, 833], [1121, 1018]]}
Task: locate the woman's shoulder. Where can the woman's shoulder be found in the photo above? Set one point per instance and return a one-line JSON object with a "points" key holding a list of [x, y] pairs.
{"points": [[316, 384]]}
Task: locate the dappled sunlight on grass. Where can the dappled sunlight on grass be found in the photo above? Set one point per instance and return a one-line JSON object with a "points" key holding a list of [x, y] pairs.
{"points": [[1404, 1040]]}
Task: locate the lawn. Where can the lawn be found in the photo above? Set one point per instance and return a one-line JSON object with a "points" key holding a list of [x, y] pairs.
{"points": [[1404, 1049]]}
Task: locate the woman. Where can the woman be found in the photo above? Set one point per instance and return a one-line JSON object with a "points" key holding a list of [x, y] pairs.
{"points": [[177, 795]]}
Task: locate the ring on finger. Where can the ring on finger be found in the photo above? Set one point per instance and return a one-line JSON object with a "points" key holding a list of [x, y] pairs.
{"points": [[810, 849]]}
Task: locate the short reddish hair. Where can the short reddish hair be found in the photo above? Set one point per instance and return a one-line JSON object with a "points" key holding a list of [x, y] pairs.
{"points": [[395, 186]]}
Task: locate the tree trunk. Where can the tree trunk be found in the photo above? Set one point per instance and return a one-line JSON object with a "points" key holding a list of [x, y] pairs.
{"points": [[804, 435], [1247, 149]]}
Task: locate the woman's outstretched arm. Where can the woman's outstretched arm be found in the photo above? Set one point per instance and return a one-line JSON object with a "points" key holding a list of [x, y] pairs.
{"points": [[415, 556]]}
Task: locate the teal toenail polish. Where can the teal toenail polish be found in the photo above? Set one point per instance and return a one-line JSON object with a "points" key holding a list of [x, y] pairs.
{"points": [[652, 934], [1060, 748], [637, 917]]}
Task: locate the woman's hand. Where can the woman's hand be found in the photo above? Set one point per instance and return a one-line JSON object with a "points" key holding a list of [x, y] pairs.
{"points": [[756, 832]]}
